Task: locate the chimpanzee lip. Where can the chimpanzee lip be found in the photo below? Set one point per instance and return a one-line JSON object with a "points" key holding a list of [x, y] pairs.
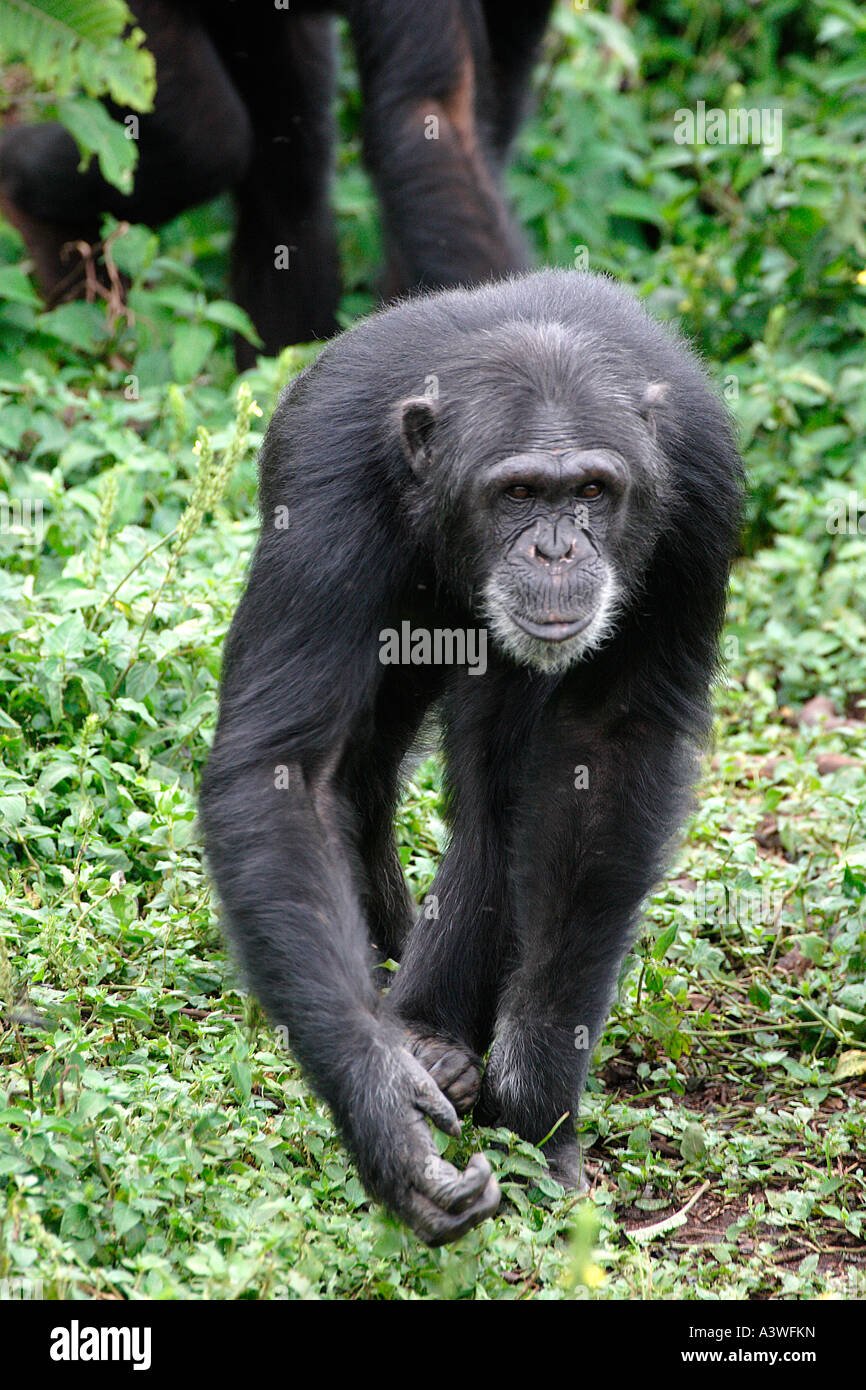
{"points": [[557, 630]]}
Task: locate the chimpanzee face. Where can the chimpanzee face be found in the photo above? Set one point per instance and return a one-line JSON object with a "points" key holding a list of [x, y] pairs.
{"points": [[551, 536], [552, 592]]}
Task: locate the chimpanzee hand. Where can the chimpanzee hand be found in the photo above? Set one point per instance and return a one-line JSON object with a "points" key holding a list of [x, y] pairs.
{"points": [[398, 1158], [455, 1069]]}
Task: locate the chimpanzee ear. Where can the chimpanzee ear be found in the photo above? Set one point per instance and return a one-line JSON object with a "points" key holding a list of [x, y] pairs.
{"points": [[417, 420], [654, 400]]}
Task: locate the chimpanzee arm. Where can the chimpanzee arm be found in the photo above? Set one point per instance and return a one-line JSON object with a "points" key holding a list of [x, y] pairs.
{"points": [[457, 955], [300, 676]]}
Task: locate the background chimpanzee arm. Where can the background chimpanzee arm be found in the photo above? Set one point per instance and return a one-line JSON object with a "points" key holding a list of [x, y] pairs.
{"points": [[514, 31], [244, 103]]}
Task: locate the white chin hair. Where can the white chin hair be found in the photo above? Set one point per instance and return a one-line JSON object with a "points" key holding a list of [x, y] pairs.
{"points": [[550, 657]]}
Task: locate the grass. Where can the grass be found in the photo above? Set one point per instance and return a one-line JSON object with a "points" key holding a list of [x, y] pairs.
{"points": [[156, 1140]]}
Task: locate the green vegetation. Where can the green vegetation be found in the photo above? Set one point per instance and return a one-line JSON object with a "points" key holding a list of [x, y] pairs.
{"points": [[73, 52], [155, 1138]]}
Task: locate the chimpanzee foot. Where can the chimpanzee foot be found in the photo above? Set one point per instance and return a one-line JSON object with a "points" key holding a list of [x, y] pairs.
{"points": [[567, 1167], [456, 1070]]}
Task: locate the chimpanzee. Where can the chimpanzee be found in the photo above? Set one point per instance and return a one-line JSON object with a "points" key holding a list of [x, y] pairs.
{"points": [[537, 460], [244, 96]]}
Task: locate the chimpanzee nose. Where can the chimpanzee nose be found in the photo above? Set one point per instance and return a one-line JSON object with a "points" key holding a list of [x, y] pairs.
{"points": [[555, 542]]}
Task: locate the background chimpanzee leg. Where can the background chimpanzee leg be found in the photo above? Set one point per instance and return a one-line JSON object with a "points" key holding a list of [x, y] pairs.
{"points": [[586, 847], [514, 32], [286, 270], [195, 144], [428, 142]]}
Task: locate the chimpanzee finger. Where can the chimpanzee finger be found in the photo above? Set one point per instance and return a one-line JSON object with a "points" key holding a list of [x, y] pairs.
{"points": [[436, 1225], [460, 1080], [430, 1100], [447, 1068], [448, 1187], [456, 1071], [566, 1166]]}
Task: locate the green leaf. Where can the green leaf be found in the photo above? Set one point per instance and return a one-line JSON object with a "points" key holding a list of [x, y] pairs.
{"points": [[639, 1140], [91, 1103], [69, 638], [851, 1063], [638, 206], [759, 996], [693, 1144], [95, 133], [668, 936], [242, 1077], [71, 20], [232, 316], [79, 45], [192, 346], [16, 288], [13, 809], [82, 326], [124, 1218], [141, 680]]}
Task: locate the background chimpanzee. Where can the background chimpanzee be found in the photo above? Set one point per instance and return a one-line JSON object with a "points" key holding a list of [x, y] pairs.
{"points": [[244, 98], [570, 484]]}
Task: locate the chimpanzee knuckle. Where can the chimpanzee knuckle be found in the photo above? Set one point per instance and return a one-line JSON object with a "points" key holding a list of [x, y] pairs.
{"points": [[428, 1221], [475, 1180], [567, 1167], [441, 1182], [452, 1190], [448, 1067], [440, 1110], [464, 1092], [453, 1225], [486, 1203], [455, 1069], [437, 1225]]}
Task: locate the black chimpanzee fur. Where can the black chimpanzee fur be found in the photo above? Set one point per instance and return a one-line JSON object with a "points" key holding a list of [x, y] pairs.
{"points": [[244, 96], [536, 459]]}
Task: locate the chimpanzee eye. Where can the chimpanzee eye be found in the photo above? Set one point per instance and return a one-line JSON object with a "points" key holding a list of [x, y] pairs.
{"points": [[518, 492], [589, 491]]}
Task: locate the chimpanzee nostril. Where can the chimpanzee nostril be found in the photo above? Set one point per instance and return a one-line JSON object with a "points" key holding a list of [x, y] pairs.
{"points": [[555, 543]]}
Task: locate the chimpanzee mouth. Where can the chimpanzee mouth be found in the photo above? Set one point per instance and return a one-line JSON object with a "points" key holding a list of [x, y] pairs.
{"points": [[557, 630]]}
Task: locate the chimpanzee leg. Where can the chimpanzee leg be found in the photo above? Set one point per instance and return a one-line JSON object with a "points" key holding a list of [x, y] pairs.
{"points": [[428, 142], [597, 809], [193, 145], [286, 270]]}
